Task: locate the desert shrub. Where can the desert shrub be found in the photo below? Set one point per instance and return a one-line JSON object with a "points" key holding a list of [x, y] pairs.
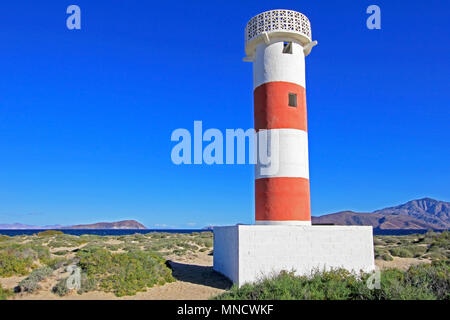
{"points": [[61, 252], [66, 240], [384, 256], [11, 265], [28, 285], [49, 233], [87, 284], [25, 250], [378, 242], [31, 283], [416, 250], [186, 245], [441, 241], [41, 273], [206, 243], [61, 288], [435, 255], [435, 277], [206, 234], [124, 273], [129, 248], [159, 235], [113, 247], [179, 252], [4, 238], [5, 293], [401, 252], [56, 263], [286, 286], [58, 244], [422, 282], [389, 240]]}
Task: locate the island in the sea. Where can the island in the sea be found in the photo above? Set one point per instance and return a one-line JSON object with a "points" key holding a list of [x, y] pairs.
{"points": [[124, 224]]}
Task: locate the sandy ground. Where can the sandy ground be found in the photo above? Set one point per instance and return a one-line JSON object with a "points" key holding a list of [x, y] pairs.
{"points": [[399, 263], [195, 280]]}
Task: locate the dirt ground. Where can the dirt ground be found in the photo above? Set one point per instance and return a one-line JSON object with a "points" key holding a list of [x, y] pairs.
{"points": [[195, 280], [400, 263]]}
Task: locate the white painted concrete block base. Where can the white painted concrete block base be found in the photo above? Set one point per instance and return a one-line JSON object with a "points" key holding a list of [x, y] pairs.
{"points": [[246, 253]]}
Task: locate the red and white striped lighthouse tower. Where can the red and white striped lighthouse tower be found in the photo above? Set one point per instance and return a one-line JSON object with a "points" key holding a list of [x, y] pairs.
{"points": [[277, 42]]}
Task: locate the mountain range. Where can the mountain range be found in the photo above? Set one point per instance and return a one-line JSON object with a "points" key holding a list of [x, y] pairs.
{"points": [[125, 224], [423, 213]]}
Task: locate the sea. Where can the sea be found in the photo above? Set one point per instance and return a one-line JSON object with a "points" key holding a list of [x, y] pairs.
{"points": [[120, 232], [99, 232]]}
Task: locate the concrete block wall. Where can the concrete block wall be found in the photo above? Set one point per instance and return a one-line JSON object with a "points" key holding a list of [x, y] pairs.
{"points": [[226, 252], [247, 253]]}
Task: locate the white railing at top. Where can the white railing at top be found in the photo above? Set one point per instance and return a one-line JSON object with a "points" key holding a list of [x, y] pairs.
{"points": [[278, 20]]}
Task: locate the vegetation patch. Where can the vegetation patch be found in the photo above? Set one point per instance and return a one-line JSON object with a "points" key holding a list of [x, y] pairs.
{"points": [[61, 288], [401, 252], [5, 293], [432, 245], [49, 233], [11, 265], [31, 283], [4, 238], [124, 273], [422, 282]]}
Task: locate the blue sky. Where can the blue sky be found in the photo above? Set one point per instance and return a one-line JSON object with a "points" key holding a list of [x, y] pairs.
{"points": [[86, 116]]}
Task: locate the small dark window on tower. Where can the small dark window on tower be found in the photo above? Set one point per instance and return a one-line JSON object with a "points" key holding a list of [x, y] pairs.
{"points": [[292, 100], [287, 47]]}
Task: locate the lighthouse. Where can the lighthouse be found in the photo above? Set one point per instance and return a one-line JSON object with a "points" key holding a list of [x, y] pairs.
{"points": [[283, 238], [277, 42]]}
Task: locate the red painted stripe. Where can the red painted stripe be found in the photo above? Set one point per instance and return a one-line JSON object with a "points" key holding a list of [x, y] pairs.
{"points": [[282, 199], [272, 110]]}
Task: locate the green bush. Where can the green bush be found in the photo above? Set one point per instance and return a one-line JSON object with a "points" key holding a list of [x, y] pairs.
{"points": [[435, 256], [61, 288], [25, 250], [416, 250], [31, 283], [124, 273], [386, 257], [4, 238], [401, 252], [5, 293], [435, 277], [87, 284], [422, 282], [49, 233], [382, 254], [56, 263], [61, 252], [11, 265]]}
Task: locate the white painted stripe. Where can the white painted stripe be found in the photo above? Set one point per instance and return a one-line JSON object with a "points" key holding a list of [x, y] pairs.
{"points": [[282, 153], [271, 64], [284, 223]]}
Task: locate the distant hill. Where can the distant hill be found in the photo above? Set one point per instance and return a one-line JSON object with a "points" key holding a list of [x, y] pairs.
{"points": [[125, 224], [423, 213], [21, 226]]}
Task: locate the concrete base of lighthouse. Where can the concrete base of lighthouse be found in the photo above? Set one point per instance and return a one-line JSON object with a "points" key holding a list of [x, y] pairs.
{"points": [[247, 253]]}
